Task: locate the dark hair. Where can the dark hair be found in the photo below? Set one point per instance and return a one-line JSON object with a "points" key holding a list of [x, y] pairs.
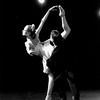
{"points": [[55, 33], [56, 37]]}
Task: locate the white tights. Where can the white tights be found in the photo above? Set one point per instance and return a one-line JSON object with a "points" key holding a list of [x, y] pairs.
{"points": [[50, 86]]}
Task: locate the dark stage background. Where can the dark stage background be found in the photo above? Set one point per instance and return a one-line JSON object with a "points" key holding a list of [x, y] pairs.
{"points": [[21, 72]]}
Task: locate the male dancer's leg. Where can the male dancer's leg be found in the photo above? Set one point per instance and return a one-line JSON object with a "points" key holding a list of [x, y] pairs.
{"points": [[60, 83], [73, 86]]}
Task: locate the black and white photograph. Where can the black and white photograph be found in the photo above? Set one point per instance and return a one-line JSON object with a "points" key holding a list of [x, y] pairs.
{"points": [[50, 50]]}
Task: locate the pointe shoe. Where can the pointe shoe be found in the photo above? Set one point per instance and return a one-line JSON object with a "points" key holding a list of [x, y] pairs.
{"points": [[73, 98], [62, 99], [48, 97]]}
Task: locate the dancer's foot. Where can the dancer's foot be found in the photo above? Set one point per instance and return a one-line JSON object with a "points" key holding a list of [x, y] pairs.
{"points": [[62, 99], [73, 98], [48, 97]]}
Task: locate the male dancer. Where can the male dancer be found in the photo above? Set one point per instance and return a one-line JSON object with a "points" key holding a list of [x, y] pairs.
{"points": [[46, 49]]}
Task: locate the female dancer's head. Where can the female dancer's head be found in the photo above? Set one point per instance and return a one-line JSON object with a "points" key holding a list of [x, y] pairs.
{"points": [[29, 31]]}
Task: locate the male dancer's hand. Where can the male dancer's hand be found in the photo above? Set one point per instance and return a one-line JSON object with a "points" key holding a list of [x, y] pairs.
{"points": [[61, 11]]}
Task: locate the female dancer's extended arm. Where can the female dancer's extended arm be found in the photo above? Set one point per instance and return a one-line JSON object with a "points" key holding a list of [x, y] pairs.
{"points": [[44, 19]]}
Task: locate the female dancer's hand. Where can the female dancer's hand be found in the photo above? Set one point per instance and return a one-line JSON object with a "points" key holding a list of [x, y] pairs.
{"points": [[54, 8]]}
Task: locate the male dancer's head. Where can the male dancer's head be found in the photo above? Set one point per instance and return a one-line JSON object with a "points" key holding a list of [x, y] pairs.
{"points": [[54, 36]]}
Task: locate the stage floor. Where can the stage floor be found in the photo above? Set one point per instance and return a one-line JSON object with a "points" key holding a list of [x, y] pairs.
{"points": [[86, 95]]}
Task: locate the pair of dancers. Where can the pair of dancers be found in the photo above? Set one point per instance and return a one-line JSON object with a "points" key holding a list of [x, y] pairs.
{"points": [[46, 50]]}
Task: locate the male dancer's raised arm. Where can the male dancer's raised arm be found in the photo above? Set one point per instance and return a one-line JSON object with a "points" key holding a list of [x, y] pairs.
{"points": [[65, 26]]}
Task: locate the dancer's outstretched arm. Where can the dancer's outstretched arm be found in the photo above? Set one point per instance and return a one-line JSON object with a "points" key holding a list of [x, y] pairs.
{"points": [[65, 26], [44, 19]]}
